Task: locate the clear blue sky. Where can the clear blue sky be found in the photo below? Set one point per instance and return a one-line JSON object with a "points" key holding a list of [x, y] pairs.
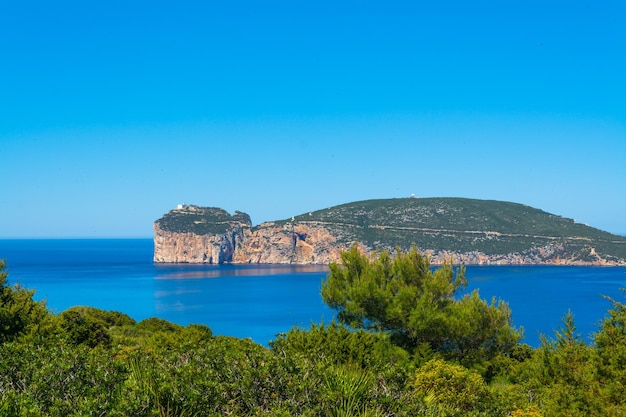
{"points": [[112, 113]]}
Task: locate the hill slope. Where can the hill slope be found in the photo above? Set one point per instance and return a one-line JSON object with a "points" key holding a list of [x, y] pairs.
{"points": [[473, 231]]}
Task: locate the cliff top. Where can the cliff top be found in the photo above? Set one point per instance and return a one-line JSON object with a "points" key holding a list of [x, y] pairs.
{"points": [[202, 220]]}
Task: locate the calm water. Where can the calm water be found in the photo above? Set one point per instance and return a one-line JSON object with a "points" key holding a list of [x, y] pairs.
{"points": [[260, 301]]}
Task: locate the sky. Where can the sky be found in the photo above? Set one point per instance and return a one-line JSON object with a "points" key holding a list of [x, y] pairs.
{"points": [[112, 113]]}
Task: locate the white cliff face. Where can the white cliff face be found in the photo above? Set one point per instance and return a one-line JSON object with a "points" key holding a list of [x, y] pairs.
{"points": [[297, 243], [192, 248], [269, 243], [290, 243]]}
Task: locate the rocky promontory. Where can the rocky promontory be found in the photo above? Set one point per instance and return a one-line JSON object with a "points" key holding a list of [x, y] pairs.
{"points": [[469, 231], [193, 234]]}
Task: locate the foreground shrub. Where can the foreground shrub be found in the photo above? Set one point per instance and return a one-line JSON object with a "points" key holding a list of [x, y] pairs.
{"points": [[452, 389], [402, 296]]}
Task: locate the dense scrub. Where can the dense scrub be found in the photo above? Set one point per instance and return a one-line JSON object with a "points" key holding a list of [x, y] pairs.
{"points": [[89, 362], [461, 225], [202, 220]]}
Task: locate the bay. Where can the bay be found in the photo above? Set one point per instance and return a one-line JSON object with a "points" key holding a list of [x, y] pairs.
{"points": [[259, 301], [540, 296]]}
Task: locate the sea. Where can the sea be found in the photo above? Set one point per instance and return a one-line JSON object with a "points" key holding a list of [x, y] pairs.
{"points": [[262, 301]]}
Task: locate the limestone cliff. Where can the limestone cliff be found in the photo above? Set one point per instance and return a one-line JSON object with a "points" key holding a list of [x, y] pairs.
{"points": [[468, 231], [287, 243], [192, 234]]}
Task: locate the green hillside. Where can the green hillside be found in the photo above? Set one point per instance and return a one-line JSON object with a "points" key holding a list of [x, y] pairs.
{"points": [[459, 224]]}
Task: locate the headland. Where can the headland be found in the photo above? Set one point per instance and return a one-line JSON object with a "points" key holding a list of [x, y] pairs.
{"points": [[468, 231]]}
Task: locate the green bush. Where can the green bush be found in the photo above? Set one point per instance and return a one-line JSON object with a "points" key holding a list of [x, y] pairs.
{"points": [[417, 306], [452, 389]]}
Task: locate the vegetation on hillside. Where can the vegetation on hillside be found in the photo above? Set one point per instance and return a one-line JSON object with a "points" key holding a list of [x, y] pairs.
{"points": [[389, 356], [459, 225], [201, 220]]}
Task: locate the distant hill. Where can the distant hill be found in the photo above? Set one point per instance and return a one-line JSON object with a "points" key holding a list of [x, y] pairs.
{"points": [[472, 231]]}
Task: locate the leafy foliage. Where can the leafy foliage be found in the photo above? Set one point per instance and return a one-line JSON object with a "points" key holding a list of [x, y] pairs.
{"points": [[347, 390], [452, 388], [403, 296], [564, 373], [335, 343], [83, 329], [19, 313], [90, 362], [611, 349], [57, 379]]}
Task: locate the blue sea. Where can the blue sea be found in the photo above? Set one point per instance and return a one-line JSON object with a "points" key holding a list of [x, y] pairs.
{"points": [[260, 301]]}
